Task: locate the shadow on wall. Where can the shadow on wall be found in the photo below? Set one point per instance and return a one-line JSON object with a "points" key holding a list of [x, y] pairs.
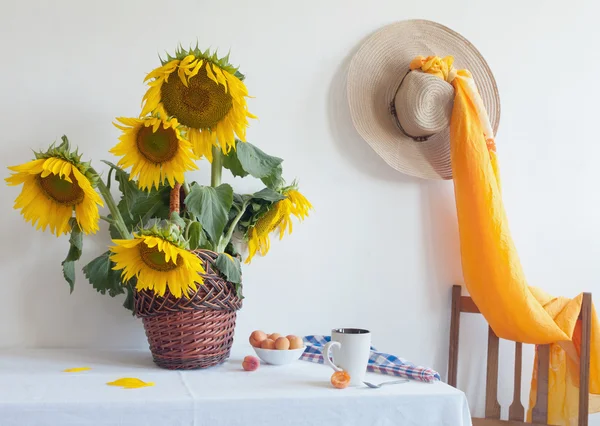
{"points": [[442, 258], [350, 144]]}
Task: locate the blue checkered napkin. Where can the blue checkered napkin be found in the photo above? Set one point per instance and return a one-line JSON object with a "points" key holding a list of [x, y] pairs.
{"points": [[379, 362]]}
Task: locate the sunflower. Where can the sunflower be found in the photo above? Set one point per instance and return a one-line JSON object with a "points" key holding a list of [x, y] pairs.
{"points": [[207, 96], [54, 185], [278, 217], [155, 150], [158, 264]]}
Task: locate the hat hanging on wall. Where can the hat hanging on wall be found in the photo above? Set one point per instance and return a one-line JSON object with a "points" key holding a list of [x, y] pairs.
{"points": [[405, 116]]}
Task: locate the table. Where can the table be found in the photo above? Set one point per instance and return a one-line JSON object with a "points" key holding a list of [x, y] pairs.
{"points": [[35, 392]]}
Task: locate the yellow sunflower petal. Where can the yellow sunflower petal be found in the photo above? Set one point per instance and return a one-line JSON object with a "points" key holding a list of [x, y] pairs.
{"points": [[220, 77], [210, 73], [166, 69], [196, 68], [33, 167]]}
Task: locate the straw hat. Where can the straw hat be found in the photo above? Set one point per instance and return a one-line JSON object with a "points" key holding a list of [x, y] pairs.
{"points": [[404, 115]]}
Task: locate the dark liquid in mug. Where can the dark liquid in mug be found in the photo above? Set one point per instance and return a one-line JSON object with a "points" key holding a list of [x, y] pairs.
{"points": [[351, 331]]}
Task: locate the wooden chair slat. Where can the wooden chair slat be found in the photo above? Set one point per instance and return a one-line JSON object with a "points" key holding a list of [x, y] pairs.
{"points": [[539, 413], [516, 410], [468, 306], [492, 407]]}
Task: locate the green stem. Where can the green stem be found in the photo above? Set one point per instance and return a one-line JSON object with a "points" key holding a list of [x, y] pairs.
{"points": [[118, 221], [107, 219], [216, 167], [225, 239], [186, 188]]}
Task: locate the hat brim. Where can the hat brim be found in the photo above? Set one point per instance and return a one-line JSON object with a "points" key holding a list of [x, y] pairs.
{"points": [[375, 74]]}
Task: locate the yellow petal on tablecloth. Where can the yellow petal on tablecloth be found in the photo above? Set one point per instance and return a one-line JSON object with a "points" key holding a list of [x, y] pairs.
{"points": [[130, 383], [76, 369]]}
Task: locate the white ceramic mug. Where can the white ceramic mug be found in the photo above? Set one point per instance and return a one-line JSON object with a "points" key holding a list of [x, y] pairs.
{"points": [[351, 348]]}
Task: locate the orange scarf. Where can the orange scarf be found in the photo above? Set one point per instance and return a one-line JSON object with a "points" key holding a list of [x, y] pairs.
{"points": [[491, 267]]}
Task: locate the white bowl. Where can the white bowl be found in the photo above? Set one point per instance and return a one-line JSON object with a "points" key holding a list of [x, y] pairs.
{"points": [[279, 357]]}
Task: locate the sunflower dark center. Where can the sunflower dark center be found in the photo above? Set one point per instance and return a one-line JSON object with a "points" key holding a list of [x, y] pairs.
{"points": [[60, 190], [157, 147], [201, 105], [155, 259]]}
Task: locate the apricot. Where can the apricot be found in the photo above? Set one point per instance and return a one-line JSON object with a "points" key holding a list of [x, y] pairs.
{"points": [[340, 379], [268, 344], [274, 336], [250, 363], [257, 337], [295, 341], [282, 343]]}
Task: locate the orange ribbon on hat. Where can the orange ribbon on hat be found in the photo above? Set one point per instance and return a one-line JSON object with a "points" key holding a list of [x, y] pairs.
{"points": [[440, 67], [491, 267]]}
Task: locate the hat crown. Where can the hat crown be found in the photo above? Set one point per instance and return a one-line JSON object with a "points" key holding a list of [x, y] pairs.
{"points": [[423, 104]]}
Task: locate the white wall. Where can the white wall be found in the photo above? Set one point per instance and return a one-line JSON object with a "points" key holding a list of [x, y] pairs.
{"points": [[380, 250]]}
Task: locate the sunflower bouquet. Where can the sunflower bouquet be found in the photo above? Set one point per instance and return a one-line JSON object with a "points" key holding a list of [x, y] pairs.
{"points": [[194, 109]]}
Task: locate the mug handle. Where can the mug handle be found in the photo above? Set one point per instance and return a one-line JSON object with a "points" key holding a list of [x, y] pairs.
{"points": [[328, 346]]}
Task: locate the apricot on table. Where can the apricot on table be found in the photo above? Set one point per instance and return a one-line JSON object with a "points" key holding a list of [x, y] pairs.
{"points": [[340, 379], [250, 363]]}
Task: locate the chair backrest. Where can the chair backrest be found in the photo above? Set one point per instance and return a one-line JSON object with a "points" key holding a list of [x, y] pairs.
{"points": [[516, 412]]}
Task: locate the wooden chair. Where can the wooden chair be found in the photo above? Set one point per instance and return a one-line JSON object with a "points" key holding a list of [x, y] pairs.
{"points": [[516, 413]]}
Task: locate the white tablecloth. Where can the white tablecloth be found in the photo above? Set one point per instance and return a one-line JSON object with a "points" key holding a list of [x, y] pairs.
{"points": [[35, 392]]}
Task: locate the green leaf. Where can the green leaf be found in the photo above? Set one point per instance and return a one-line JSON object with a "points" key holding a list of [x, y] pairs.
{"points": [[128, 303], [238, 199], [109, 178], [177, 220], [231, 250], [137, 206], [151, 205], [211, 207], [75, 249], [195, 235], [268, 194], [232, 163], [232, 270], [103, 278], [274, 180], [255, 161]]}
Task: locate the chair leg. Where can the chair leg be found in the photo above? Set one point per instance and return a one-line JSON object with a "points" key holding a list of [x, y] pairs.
{"points": [[454, 329]]}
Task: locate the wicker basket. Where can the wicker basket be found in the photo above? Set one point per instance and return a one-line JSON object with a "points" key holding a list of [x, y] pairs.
{"points": [[192, 333]]}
